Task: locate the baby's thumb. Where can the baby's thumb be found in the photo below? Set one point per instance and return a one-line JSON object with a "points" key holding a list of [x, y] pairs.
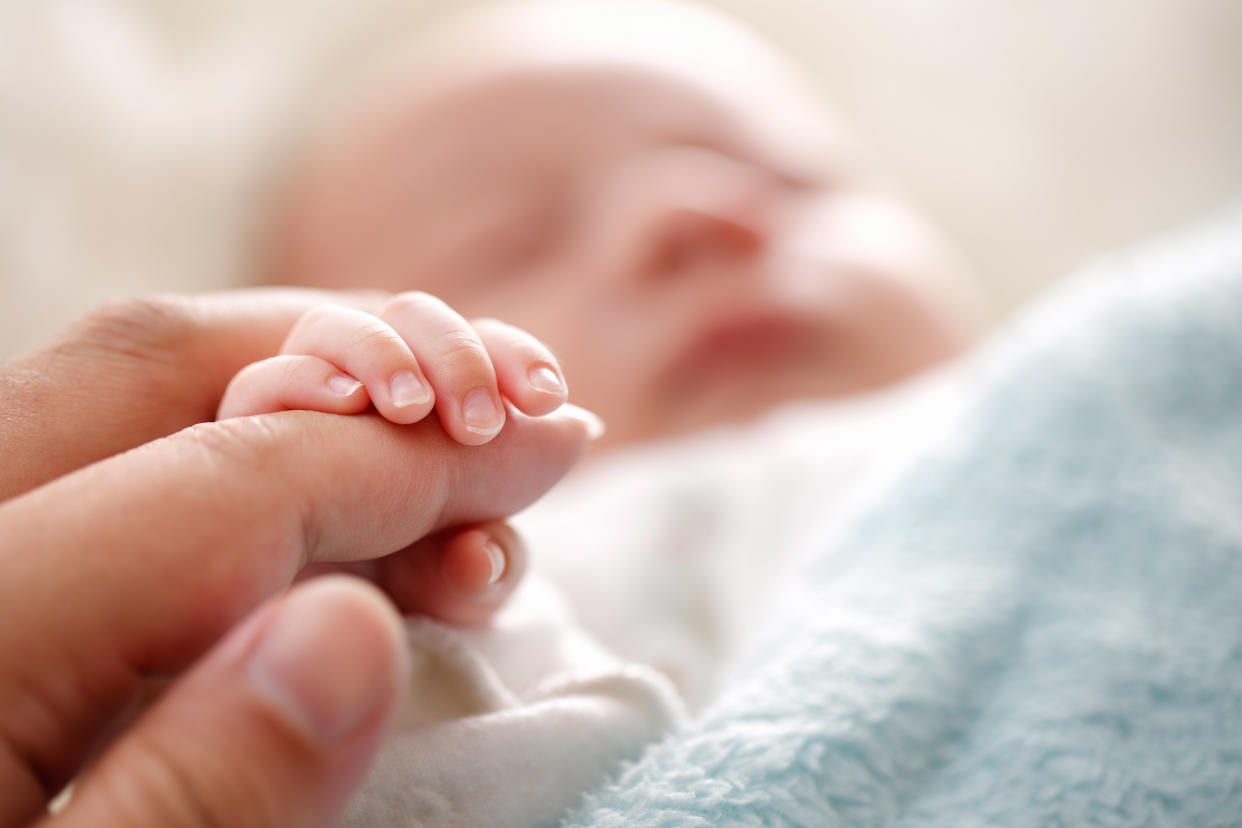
{"points": [[275, 727]]}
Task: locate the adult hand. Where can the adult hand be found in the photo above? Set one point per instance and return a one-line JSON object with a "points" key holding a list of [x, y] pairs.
{"points": [[134, 371], [148, 561]]}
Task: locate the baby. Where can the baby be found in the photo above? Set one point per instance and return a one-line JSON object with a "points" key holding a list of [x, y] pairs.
{"points": [[642, 186], [647, 190]]}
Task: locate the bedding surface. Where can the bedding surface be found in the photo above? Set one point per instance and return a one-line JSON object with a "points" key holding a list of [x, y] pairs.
{"points": [[1038, 621]]}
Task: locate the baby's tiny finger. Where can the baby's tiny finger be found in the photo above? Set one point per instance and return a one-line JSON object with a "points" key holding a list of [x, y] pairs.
{"points": [[461, 576], [456, 363], [526, 371], [366, 347], [292, 381]]}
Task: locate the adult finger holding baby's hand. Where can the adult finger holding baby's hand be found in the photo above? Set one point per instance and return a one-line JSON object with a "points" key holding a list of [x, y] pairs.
{"points": [[338, 359], [146, 562], [136, 370], [137, 565]]}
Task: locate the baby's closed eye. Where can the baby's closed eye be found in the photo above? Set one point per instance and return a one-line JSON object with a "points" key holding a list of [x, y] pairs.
{"points": [[514, 239]]}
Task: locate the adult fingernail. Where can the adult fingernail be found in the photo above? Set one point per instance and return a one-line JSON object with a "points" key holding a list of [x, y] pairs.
{"points": [[322, 665], [543, 378], [480, 413], [343, 385], [407, 389], [594, 424]]}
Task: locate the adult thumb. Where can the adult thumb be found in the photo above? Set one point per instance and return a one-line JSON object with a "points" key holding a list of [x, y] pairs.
{"points": [[274, 727]]}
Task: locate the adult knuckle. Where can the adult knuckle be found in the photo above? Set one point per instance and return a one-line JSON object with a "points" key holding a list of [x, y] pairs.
{"points": [[268, 490], [244, 444], [140, 326]]}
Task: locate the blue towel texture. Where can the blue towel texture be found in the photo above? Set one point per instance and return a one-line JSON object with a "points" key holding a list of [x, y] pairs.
{"points": [[1040, 621]]}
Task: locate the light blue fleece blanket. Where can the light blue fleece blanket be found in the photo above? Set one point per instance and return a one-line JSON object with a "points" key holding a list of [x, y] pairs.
{"points": [[1040, 622]]}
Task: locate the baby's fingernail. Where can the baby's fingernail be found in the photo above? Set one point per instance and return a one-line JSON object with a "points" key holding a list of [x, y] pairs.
{"points": [[480, 413], [496, 557], [594, 425], [407, 389], [343, 385], [473, 568], [543, 378]]}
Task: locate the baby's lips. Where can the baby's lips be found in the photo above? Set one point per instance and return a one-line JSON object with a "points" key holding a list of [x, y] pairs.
{"points": [[595, 427]]}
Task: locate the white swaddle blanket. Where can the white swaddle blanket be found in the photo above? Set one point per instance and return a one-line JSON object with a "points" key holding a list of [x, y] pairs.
{"points": [[507, 725], [661, 555]]}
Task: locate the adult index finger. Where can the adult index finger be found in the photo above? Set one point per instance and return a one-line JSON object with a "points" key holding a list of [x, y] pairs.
{"points": [[137, 564], [136, 370]]}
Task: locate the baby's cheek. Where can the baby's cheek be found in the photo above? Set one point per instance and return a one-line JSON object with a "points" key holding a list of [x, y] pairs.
{"points": [[877, 248]]}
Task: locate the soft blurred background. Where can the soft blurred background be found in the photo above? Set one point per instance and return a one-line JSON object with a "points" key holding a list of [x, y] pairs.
{"points": [[139, 140]]}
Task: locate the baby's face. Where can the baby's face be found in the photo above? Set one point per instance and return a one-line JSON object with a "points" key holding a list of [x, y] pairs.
{"points": [[685, 263]]}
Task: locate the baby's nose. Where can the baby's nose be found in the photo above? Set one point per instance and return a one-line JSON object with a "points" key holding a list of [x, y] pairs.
{"points": [[689, 210], [684, 237]]}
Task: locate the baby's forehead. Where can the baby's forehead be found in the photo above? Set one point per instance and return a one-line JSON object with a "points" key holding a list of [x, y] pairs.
{"points": [[521, 56], [595, 100], [541, 118], [544, 130], [499, 105], [677, 40]]}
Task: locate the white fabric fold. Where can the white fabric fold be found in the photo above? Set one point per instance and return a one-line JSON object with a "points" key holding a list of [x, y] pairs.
{"points": [[506, 726]]}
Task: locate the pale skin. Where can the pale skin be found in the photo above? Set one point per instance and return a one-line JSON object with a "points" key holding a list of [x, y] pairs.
{"points": [[695, 240], [414, 355], [140, 539]]}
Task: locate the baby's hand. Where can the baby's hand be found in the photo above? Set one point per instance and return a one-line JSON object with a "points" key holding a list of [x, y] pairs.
{"points": [[414, 355]]}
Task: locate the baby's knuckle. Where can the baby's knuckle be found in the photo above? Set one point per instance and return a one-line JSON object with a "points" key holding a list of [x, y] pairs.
{"points": [[289, 370], [461, 346], [491, 322], [377, 336], [314, 316], [411, 302], [513, 334], [322, 315]]}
